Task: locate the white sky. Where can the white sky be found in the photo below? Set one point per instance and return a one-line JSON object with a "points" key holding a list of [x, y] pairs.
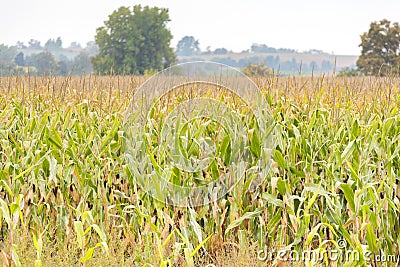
{"points": [[332, 26]]}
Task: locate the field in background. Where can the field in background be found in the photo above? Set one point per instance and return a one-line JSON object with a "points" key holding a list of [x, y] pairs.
{"points": [[67, 196]]}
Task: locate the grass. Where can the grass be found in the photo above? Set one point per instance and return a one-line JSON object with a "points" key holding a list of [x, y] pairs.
{"points": [[68, 196]]}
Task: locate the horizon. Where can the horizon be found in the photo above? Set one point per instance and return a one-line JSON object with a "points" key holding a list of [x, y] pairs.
{"points": [[240, 26]]}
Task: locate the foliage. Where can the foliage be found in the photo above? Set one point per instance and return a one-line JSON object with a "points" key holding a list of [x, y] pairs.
{"points": [[187, 46], [7, 55], [280, 63], [82, 64], [133, 41], [34, 44], [36, 60], [44, 62], [75, 45], [52, 44], [65, 183], [257, 69], [262, 48], [221, 51], [380, 53], [92, 48], [20, 45], [349, 72], [20, 59]]}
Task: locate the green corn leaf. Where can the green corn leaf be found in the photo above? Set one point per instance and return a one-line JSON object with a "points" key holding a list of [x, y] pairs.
{"points": [[88, 255], [371, 239], [272, 199], [255, 146], [79, 233], [349, 195], [246, 216], [280, 160], [194, 252], [274, 221], [347, 152], [101, 233], [110, 135]]}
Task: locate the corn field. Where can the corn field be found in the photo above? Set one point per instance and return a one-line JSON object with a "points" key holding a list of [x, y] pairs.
{"points": [[69, 198]]}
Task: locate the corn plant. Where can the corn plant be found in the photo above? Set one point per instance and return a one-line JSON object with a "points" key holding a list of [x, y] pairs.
{"points": [[65, 183]]}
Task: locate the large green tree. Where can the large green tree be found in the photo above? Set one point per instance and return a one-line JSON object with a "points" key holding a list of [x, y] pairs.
{"points": [[133, 41], [380, 53]]}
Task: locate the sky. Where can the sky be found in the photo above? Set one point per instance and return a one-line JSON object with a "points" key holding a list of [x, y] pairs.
{"points": [[331, 26]]}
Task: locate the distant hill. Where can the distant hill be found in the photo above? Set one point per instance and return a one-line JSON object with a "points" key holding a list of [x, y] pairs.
{"points": [[286, 62]]}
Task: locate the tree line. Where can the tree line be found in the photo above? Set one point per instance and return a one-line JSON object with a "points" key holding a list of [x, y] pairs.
{"points": [[51, 58]]}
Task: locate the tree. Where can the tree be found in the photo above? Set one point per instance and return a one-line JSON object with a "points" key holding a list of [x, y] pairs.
{"points": [[52, 44], [75, 45], [257, 69], [221, 51], [34, 44], [44, 62], [133, 41], [187, 46], [20, 45], [380, 49], [58, 42], [349, 72], [61, 68], [262, 48], [19, 59], [92, 48], [82, 64], [208, 51], [7, 55]]}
